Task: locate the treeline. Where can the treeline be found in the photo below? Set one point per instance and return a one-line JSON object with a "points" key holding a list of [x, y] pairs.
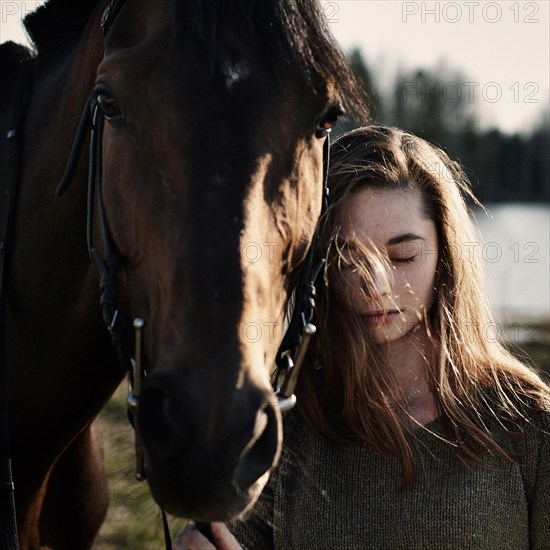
{"points": [[440, 108]]}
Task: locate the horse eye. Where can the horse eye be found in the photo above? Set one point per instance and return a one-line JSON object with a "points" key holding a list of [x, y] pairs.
{"points": [[108, 105], [328, 121]]}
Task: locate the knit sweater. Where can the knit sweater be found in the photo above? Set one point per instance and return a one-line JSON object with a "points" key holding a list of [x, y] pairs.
{"points": [[326, 495]]}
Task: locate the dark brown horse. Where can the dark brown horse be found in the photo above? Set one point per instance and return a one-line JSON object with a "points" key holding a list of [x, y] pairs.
{"points": [[212, 190]]}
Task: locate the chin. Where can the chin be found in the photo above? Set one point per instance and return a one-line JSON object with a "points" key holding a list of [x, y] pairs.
{"points": [[204, 499]]}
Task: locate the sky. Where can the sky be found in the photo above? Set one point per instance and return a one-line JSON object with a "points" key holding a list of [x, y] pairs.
{"points": [[501, 49]]}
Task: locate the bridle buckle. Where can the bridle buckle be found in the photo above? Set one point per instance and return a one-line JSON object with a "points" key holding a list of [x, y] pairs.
{"points": [[135, 377]]}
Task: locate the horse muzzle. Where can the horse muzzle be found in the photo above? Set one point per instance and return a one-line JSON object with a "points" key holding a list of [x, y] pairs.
{"points": [[207, 457]]}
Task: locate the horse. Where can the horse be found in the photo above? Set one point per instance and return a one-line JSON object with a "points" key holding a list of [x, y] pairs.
{"points": [[210, 161]]}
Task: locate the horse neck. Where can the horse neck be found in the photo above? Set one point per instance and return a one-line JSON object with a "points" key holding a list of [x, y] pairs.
{"points": [[56, 330], [50, 230]]}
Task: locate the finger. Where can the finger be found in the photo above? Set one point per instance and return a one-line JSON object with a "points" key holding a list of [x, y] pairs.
{"points": [[193, 539], [223, 537]]}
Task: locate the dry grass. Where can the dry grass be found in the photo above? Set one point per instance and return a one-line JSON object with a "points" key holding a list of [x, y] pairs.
{"points": [[134, 520]]}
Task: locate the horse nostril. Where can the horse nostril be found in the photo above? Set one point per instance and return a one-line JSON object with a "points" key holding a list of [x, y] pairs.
{"points": [[261, 452], [156, 423]]}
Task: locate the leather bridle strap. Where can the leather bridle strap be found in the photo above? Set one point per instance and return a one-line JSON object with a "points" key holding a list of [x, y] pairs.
{"points": [[110, 13], [106, 263], [293, 348], [21, 98], [107, 266]]}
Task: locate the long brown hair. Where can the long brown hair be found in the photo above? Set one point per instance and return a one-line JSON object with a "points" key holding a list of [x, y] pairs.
{"points": [[475, 380]]}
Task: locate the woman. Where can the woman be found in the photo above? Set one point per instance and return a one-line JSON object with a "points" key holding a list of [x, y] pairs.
{"points": [[413, 428]]}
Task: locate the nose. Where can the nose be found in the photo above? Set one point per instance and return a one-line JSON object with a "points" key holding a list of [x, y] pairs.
{"points": [[258, 456], [374, 283], [382, 278], [382, 283], [188, 431]]}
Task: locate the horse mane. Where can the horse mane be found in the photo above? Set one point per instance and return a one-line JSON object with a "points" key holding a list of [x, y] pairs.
{"points": [[293, 33], [58, 23], [12, 58]]}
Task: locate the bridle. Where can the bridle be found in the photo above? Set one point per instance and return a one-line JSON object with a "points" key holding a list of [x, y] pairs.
{"points": [[293, 348], [126, 335], [292, 351]]}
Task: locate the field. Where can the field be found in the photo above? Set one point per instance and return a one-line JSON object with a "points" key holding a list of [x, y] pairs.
{"points": [[134, 521]]}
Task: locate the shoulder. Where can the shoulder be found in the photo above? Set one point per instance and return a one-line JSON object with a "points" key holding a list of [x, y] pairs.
{"points": [[520, 419], [528, 437], [535, 463], [292, 421], [296, 433], [514, 405], [539, 427], [303, 447], [542, 418]]}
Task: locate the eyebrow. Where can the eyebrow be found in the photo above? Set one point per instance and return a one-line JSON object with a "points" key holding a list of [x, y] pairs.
{"points": [[406, 237]]}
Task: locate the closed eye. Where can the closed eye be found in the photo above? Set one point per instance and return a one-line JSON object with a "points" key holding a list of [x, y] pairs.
{"points": [[404, 260]]}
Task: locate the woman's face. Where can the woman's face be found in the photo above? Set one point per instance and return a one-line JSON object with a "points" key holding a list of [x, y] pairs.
{"points": [[394, 222]]}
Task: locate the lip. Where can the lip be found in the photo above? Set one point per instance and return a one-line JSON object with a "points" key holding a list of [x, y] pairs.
{"points": [[380, 316]]}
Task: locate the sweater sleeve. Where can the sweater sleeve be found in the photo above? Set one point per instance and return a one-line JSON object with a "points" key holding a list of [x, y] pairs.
{"points": [[254, 530], [539, 517]]}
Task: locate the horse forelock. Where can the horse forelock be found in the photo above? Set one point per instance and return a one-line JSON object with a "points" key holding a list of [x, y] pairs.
{"points": [[294, 34], [58, 23]]}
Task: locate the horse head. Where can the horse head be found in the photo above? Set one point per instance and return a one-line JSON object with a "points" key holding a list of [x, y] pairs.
{"points": [[212, 164]]}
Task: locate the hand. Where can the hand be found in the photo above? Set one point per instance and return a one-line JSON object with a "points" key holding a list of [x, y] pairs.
{"points": [[193, 539]]}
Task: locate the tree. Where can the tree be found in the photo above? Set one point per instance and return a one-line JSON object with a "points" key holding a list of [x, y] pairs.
{"points": [[436, 105], [372, 97]]}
